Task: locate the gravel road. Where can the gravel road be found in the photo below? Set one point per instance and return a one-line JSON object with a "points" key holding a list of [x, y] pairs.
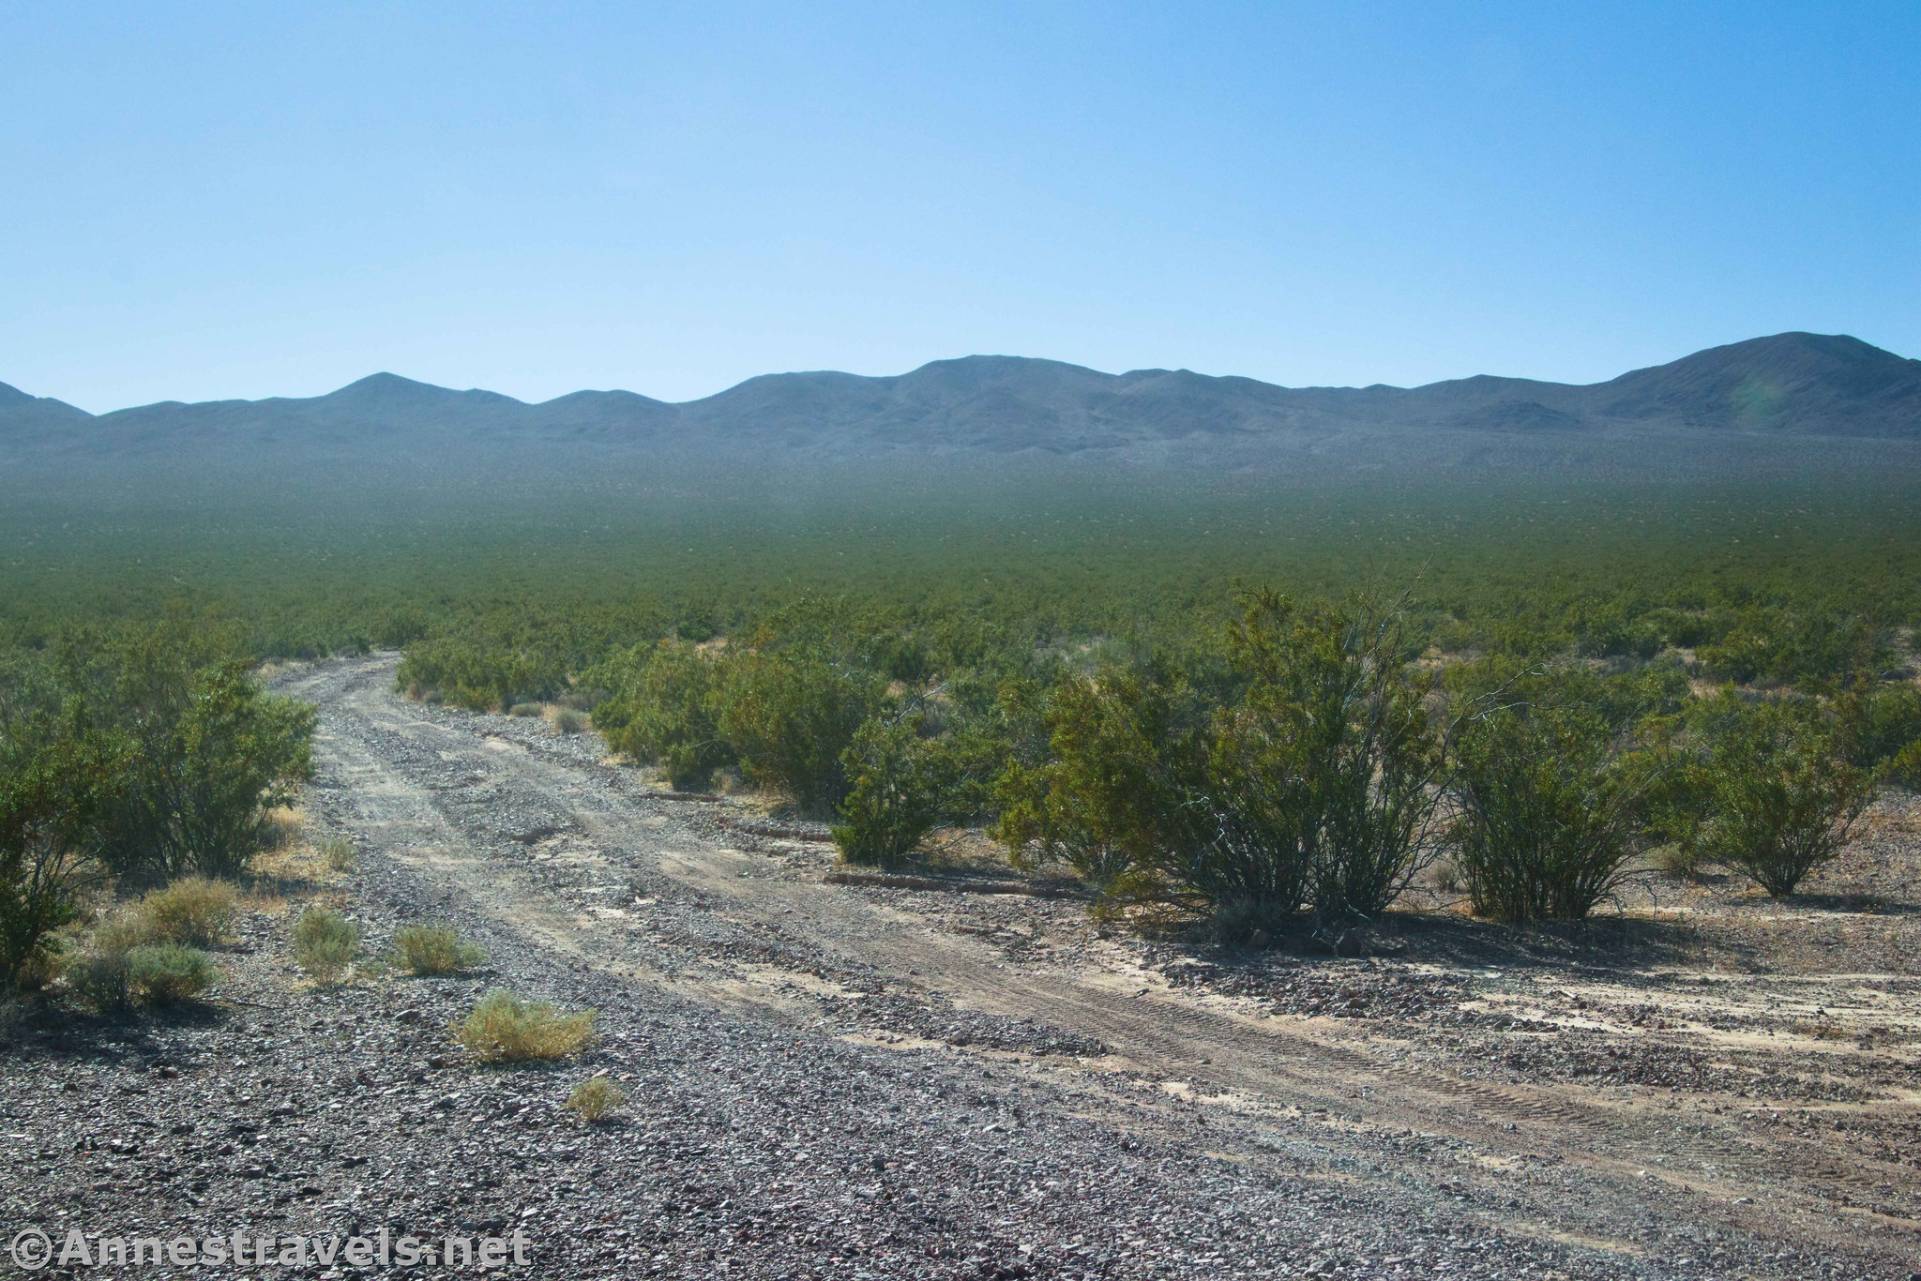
{"points": [[863, 1081]]}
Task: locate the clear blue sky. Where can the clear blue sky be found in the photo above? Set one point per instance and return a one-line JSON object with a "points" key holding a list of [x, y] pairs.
{"points": [[209, 199]]}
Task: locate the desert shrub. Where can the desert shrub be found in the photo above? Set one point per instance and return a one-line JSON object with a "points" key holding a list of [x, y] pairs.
{"points": [[53, 774], [324, 943], [1782, 794], [101, 977], [1905, 768], [1334, 737], [789, 719], [1880, 724], [898, 784], [663, 710], [596, 1099], [208, 754], [434, 949], [122, 930], [397, 628], [1610, 633], [1549, 813], [167, 973], [525, 710], [484, 673], [567, 720], [505, 1029], [194, 910], [338, 853], [1814, 646], [1107, 800]]}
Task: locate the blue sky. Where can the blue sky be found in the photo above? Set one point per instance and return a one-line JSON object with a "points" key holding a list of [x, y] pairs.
{"points": [[208, 200]]}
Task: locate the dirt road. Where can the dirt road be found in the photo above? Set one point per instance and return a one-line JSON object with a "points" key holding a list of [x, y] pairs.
{"points": [[1695, 1172]]}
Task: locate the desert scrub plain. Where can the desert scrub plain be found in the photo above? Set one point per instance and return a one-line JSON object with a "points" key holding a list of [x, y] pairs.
{"points": [[1030, 896]]}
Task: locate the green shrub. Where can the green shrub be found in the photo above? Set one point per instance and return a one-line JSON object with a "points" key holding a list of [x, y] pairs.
{"points": [[664, 710], [168, 973], [1783, 796], [324, 943], [483, 674], [208, 753], [1905, 768], [1334, 739], [194, 910], [897, 794], [54, 773], [426, 950], [596, 1099], [1880, 724], [789, 719], [566, 720], [505, 1029], [1108, 800], [1549, 812]]}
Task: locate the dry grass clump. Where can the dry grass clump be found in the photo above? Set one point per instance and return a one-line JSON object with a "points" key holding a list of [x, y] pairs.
{"points": [[1681, 860], [194, 910], [324, 943], [596, 1099], [338, 853], [505, 1029], [426, 950]]}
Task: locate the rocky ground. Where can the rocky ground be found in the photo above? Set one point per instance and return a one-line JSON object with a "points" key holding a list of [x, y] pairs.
{"points": [[916, 1078]]}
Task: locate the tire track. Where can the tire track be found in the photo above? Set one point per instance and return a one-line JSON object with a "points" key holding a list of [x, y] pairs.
{"points": [[618, 831]]}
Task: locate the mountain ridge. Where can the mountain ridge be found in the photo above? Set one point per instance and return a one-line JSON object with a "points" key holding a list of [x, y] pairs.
{"points": [[1792, 384]]}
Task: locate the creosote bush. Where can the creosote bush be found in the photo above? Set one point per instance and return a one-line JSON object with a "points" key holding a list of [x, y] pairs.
{"points": [[596, 1099], [324, 943], [207, 754], [55, 773], [1548, 811], [426, 950], [505, 1029], [1334, 744], [663, 709], [1782, 797], [1104, 799], [1904, 768], [898, 783], [790, 717]]}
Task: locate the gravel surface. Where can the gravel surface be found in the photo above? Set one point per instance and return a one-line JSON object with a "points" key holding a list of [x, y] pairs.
{"points": [[872, 1081]]}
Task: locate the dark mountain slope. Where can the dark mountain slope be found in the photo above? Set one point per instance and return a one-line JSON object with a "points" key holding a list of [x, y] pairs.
{"points": [[1799, 386], [1790, 382], [22, 415]]}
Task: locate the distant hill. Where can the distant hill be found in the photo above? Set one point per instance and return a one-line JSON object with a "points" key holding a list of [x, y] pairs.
{"points": [[1800, 386]]}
